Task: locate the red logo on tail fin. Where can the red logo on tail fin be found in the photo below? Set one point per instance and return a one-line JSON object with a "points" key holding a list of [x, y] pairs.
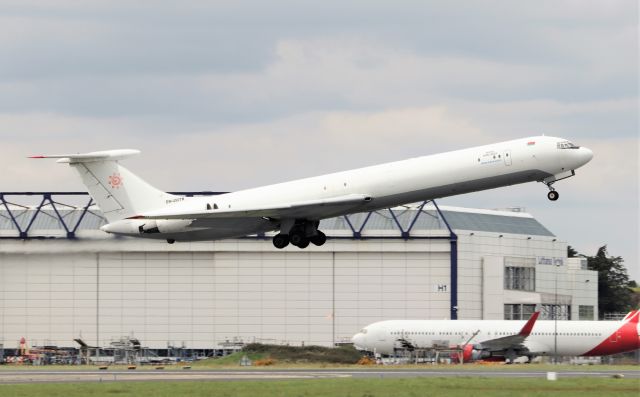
{"points": [[115, 180]]}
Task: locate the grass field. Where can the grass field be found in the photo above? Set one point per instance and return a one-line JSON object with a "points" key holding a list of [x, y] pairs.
{"points": [[318, 357], [231, 362], [465, 386]]}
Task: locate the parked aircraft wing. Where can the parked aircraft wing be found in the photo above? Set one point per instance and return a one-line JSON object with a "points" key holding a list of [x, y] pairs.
{"points": [[406, 344], [511, 341], [295, 209]]}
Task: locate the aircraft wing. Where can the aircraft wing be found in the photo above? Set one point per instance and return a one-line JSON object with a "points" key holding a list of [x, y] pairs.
{"points": [[285, 210], [511, 341]]}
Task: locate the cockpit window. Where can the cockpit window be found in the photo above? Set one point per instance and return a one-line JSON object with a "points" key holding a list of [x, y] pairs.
{"points": [[567, 145], [363, 331]]}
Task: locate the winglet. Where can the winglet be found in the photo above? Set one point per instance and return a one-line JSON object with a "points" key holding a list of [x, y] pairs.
{"points": [[526, 330]]}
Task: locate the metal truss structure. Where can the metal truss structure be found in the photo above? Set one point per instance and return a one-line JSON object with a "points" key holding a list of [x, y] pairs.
{"points": [[22, 219]]}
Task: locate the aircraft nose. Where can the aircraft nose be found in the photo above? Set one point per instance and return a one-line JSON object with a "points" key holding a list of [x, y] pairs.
{"points": [[581, 156], [586, 154], [358, 340]]}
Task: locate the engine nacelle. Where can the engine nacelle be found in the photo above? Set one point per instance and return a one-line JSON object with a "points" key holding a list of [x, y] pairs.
{"points": [[173, 225], [147, 226], [469, 354]]}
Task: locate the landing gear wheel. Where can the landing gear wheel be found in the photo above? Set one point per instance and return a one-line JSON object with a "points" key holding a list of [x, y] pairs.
{"points": [[280, 240], [553, 195], [297, 237], [319, 239], [304, 243], [171, 241]]}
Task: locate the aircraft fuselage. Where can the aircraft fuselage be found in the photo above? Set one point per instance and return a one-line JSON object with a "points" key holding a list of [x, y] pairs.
{"points": [[387, 185], [563, 338], [135, 208]]}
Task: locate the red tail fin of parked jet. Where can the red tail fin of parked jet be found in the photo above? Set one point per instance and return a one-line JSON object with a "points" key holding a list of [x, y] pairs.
{"points": [[625, 338]]}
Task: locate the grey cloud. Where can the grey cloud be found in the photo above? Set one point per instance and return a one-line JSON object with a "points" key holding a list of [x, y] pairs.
{"points": [[207, 87], [194, 37], [304, 75], [53, 49], [580, 120], [503, 29]]}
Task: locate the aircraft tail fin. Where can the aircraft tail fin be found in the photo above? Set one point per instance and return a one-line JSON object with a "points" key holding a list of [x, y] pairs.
{"points": [[118, 192], [633, 317], [528, 326]]}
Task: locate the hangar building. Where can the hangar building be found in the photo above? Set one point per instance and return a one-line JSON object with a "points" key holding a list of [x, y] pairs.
{"points": [[61, 278]]}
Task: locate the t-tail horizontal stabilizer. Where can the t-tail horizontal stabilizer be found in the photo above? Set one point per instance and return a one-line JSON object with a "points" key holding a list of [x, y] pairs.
{"points": [[118, 192], [104, 155]]}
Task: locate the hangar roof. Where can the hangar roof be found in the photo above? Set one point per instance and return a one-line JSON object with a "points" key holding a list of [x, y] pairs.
{"points": [[55, 219]]}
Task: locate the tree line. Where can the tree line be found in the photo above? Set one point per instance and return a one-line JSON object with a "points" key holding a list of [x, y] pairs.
{"points": [[616, 293]]}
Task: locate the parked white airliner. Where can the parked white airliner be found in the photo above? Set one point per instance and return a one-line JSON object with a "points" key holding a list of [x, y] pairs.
{"points": [[134, 208], [503, 339]]}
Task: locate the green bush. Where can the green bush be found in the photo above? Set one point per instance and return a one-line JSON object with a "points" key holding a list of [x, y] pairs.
{"points": [[310, 354]]}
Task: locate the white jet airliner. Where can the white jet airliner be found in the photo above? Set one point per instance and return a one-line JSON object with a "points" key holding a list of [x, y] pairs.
{"points": [[134, 208], [503, 340]]}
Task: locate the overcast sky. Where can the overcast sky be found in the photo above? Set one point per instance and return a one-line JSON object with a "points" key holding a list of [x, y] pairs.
{"points": [[226, 95]]}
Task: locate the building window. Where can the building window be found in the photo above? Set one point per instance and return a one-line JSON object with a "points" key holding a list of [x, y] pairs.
{"points": [[520, 278], [518, 311], [585, 312], [527, 311], [520, 273], [555, 312], [584, 264]]}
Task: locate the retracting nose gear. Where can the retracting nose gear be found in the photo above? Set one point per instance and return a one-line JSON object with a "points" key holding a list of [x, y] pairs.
{"points": [[553, 195]]}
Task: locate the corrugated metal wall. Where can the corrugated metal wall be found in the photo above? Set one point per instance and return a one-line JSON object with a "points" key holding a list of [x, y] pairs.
{"points": [[204, 298]]}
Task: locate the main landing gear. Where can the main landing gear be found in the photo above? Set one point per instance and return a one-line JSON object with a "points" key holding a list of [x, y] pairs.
{"points": [[280, 240], [301, 235]]}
